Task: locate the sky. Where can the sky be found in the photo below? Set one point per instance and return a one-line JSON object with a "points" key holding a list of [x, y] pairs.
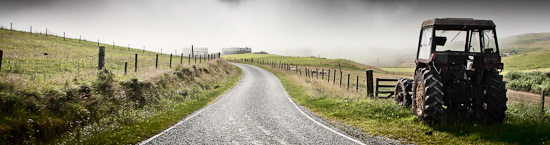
{"points": [[366, 31]]}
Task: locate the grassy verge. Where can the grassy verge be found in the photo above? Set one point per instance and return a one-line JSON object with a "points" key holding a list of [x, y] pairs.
{"points": [[132, 133], [523, 124]]}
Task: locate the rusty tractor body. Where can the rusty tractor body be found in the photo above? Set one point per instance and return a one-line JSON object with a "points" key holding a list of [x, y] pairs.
{"points": [[457, 73]]}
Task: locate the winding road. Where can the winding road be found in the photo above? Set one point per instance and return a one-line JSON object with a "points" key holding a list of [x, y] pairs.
{"points": [[256, 111]]}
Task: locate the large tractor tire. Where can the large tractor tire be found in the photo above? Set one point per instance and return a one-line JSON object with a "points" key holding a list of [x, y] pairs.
{"points": [[402, 89], [495, 98], [428, 94]]}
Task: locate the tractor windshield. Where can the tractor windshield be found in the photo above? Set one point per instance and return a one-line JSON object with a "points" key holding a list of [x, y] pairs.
{"points": [[466, 40]]}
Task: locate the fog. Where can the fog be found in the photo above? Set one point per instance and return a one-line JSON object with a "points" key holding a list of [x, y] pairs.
{"points": [[360, 30]]}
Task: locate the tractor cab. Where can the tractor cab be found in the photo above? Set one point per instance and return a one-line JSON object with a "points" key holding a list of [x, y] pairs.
{"points": [[459, 42]]}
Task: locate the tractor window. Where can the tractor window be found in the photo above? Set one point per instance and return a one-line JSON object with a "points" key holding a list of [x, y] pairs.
{"points": [[455, 40], [475, 46], [425, 44], [489, 40]]}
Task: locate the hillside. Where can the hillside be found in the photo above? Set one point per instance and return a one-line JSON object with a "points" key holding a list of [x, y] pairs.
{"points": [[51, 91], [525, 43], [36, 54], [307, 61], [527, 61]]}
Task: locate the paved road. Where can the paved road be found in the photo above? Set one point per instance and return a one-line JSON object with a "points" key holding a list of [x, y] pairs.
{"points": [[256, 111]]}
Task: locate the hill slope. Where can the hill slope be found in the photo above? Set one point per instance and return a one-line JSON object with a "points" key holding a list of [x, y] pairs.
{"points": [[51, 91], [525, 43], [307, 61], [532, 60]]}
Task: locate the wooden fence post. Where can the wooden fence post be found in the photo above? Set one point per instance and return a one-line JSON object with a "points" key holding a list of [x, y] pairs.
{"points": [[113, 45], [47, 33], [328, 76], [181, 59], [376, 93], [200, 58], [189, 60], [542, 102], [195, 59], [348, 80], [1, 57], [369, 82], [323, 74], [31, 30], [334, 77], [97, 42], [170, 60], [157, 61], [11, 27], [125, 68], [316, 73], [101, 62], [340, 78], [136, 65], [357, 84]]}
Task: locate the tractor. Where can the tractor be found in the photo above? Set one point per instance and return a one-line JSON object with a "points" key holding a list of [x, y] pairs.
{"points": [[457, 73]]}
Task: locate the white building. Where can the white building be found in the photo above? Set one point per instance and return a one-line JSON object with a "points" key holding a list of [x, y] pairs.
{"points": [[236, 50], [197, 51]]}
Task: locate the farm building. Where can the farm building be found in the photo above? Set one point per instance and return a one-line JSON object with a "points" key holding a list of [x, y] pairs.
{"points": [[236, 50]]}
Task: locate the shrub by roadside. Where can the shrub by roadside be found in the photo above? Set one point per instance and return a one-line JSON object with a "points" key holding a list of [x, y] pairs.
{"points": [[528, 81]]}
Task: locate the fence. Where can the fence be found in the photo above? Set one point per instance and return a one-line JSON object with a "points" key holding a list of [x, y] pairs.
{"points": [[380, 86], [54, 61], [320, 74], [59, 60]]}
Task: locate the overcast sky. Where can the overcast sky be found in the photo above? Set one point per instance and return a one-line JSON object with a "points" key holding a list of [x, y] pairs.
{"points": [[360, 30]]}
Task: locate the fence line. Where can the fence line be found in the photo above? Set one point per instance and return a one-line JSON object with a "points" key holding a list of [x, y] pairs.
{"points": [[310, 73]]}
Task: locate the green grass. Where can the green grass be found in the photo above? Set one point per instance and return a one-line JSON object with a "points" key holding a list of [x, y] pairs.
{"points": [[66, 60], [408, 70], [305, 61], [132, 133], [523, 124], [62, 97], [527, 61], [526, 43]]}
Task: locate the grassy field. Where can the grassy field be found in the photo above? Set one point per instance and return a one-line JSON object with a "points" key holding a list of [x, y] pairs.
{"points": [[24, 57], [306, 61], [528, 61], [526, 43], [383, 117], [61, 97], [408, 70]]}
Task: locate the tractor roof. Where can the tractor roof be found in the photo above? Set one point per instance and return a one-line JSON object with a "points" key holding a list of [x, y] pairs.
{"points": [[458, 23]]}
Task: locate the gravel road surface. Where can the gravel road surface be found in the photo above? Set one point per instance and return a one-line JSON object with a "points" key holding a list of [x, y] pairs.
{"points": [[256, 111]]}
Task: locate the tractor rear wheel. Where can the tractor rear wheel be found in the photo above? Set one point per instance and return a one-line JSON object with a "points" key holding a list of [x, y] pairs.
{"points": [[428, 94], [402, 89], [495, 98]]}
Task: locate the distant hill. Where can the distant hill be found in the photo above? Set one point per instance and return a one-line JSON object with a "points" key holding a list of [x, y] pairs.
{"points": [[306, 61], [525, 43], [526, 61]]}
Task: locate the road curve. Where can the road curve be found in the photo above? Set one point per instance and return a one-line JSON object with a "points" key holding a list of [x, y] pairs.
{"points": [[256, 111]]}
